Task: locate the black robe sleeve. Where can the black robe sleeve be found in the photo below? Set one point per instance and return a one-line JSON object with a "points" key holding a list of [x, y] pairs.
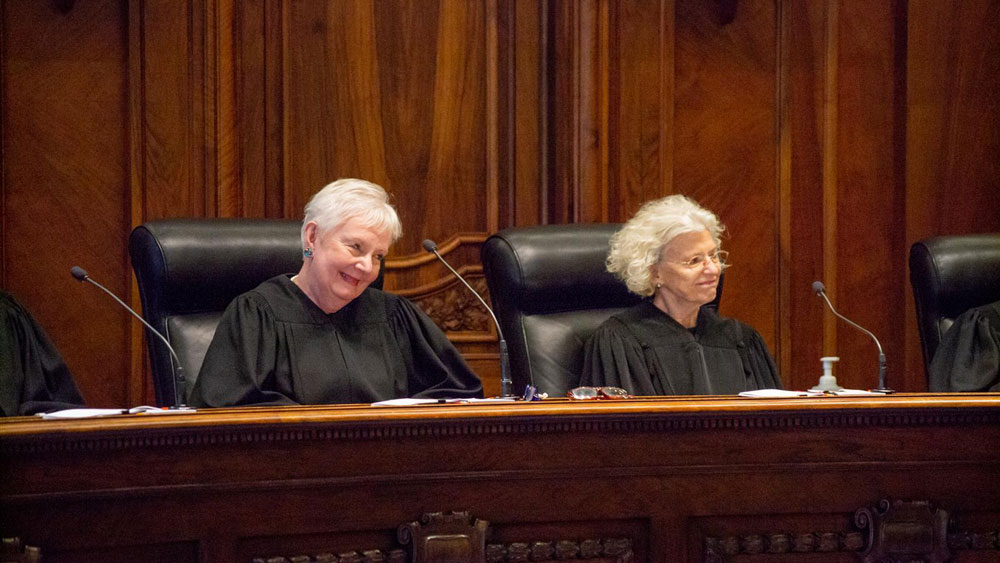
{"points": [[968, 358], [757, 361], [239, 365], [614, 357], [33, 376], [435, 368]]}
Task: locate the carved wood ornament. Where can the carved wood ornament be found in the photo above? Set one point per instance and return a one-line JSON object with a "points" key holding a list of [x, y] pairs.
{"points": [[892, 532], [457, 537]]}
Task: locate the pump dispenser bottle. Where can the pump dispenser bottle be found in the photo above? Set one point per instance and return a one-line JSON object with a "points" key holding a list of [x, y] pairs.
{"points": [[827, 382]]}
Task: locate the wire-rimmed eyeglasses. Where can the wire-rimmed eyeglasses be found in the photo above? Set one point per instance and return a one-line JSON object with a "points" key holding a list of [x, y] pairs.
{"points": [[719, 258]]}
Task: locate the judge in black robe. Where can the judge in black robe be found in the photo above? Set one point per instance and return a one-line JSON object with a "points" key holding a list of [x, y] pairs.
{"points": [[670, 344], [274, 346], [33, 376], [968, 358], [646, 352], [323, 335]]}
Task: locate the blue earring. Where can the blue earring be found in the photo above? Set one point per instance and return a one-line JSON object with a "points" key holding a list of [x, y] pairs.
{"points": [[308, 253]]}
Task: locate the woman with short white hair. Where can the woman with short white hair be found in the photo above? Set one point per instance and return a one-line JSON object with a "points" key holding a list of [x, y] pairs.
{"points": [[671, 344], [323, 335]]}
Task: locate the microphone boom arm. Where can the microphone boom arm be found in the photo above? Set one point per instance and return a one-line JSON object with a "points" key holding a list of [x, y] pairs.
{"points": [[506, 383], [882, 366], [179, 381]]}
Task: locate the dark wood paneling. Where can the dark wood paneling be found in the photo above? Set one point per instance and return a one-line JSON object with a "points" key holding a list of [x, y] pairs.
{"points": [[709, 478], [871, 259], [725, 142], [64, 179], [802, 322], [952, 128], [827, 135]]}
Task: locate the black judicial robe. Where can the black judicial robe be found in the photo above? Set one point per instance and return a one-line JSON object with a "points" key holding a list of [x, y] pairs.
{"points": [[968, 358], [646, 352], [33, 376], [274, 346]]}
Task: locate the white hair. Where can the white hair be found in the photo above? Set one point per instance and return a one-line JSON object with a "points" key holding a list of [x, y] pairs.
{"points": [[637, 247], [351, 198]]}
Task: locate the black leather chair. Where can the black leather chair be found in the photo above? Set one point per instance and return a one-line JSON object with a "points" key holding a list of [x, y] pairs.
{"points": [[189, 270], [951, 274], [550, 291]]}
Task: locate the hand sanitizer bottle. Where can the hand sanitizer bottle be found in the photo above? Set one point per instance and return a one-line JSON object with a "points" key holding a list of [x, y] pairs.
{"points": [[827, 382]]}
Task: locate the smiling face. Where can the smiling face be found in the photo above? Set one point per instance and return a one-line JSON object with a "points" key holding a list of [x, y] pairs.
{"points": [[346, 260], [683, 285]]}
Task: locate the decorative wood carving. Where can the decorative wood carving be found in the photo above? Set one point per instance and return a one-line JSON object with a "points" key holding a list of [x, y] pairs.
{"points": [[666, 421], [618, 550], [440, 536], [717, 549], [988, 540], [900, 532], [456, 536], [364, 556], [455, 309], [893, 532]]}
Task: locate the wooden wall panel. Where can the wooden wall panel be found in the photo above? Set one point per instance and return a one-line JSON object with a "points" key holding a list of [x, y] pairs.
{"points": [[801, 319], [725, 142], [952, 127], [392, 92], [827, 135], [870, 254], [64, 170]]}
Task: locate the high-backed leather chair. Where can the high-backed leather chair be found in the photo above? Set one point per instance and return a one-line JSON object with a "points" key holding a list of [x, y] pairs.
{"points": [[550, 291], [951, 274], [189, 270]]}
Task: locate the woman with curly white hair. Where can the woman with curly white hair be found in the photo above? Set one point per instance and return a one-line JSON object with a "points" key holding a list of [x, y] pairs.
{"points": [[670, 344]]}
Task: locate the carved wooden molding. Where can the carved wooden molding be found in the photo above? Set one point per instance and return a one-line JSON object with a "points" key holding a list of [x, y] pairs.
{"points": [[891, 532], [904, 531], [457, 536], [717, 549], [364, 556], [455, 309], [445, 536], [610, 549], [310, 431]]}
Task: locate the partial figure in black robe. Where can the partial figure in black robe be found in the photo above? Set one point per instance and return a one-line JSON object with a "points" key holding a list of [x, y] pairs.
{"points": [[274, 346], [968, 358], [33, 376], [646, 352]]}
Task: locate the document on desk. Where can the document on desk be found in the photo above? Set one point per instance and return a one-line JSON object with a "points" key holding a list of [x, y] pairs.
{"points": [[783, 393], [407, 401], [90, 413], [779, 393]]}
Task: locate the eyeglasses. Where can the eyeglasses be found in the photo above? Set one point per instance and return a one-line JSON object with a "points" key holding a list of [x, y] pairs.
{"points": [[597, 393], [701, 260]]}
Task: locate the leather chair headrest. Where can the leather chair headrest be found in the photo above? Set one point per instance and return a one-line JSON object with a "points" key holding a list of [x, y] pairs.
{"points": [[950, 275], [553, 268]]}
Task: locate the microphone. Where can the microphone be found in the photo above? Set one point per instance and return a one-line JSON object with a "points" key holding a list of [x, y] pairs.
{"points": [[81, 275], [820, 290], [505, 380]]}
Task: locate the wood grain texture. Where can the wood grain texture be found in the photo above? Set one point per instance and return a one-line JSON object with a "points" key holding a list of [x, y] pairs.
{"points": [[64, 171], [952, 169], [828, 136], [218, 485], [725, 143]]}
